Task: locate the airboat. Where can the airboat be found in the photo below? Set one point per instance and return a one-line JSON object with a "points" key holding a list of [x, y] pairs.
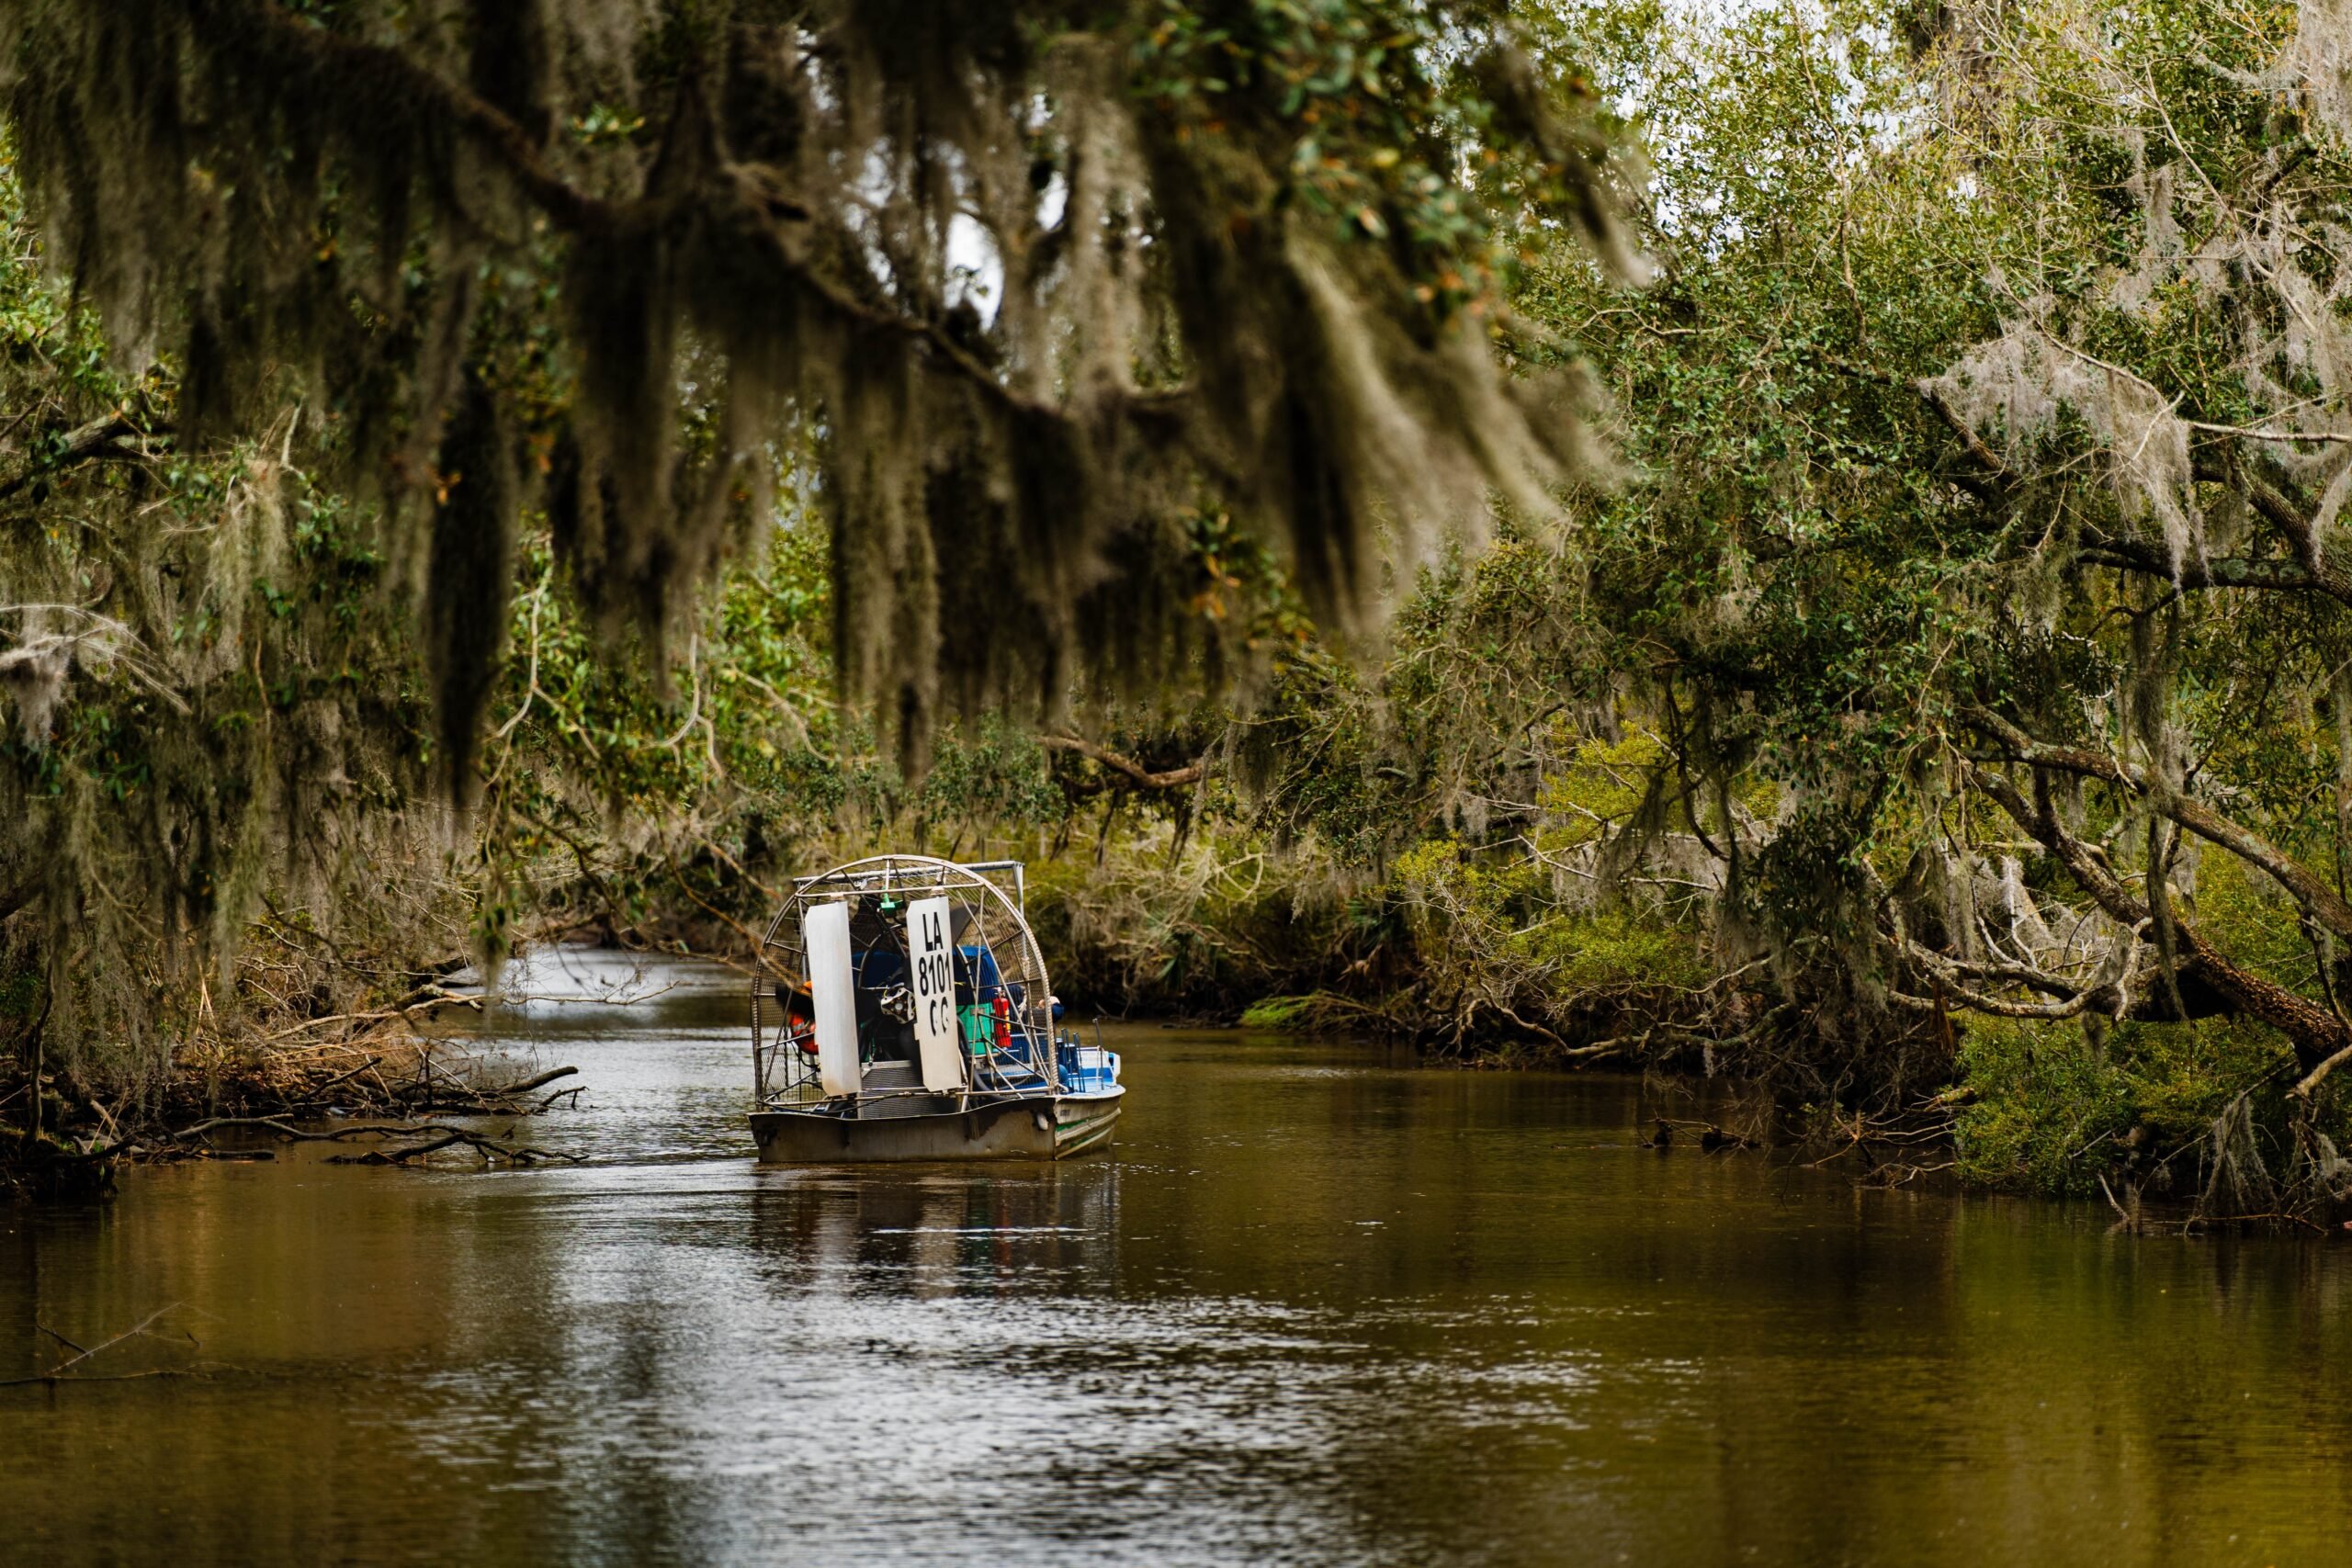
{"points": [[902, 1012]]}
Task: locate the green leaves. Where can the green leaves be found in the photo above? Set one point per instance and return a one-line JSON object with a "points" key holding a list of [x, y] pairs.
{"points": [[1394, 136]]}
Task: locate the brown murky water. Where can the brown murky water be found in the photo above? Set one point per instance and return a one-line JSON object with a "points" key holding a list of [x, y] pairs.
{"points": [[1316, 1309]]}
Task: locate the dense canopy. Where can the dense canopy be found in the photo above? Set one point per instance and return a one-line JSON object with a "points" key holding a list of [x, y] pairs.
{"points": [[1031, 280]]}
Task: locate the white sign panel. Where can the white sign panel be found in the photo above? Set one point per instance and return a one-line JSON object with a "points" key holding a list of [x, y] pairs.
{"points": [[931, 952], [825, 928]]}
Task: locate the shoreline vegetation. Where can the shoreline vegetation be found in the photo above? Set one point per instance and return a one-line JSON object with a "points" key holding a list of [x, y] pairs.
{"points": [[380, 1082], [1803, 549]]}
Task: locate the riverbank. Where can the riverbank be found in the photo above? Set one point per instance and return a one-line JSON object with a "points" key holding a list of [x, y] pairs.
{"points": [[2168, 1126], [382, 1085], [2149, 1124]]}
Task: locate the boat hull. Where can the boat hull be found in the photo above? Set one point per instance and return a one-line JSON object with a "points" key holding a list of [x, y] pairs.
{"points": [[1040, 1127]]}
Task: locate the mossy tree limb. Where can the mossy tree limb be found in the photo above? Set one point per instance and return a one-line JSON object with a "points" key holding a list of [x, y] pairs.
{"points": [[1040, 276]]}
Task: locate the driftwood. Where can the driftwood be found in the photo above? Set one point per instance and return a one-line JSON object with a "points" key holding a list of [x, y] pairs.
{"points": [[362, 1088], [63, 1371], [399, 1113], [287, 1129], [448, 1094], [52, 1380], [59, 1373], [376, 1060], [433, 1137], [453, 1137], [422, 1137]]}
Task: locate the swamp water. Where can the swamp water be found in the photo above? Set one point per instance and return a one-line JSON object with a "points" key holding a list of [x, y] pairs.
{"points": [[1315, 1309]]}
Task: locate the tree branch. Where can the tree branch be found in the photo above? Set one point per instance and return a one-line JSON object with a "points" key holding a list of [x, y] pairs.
{"points": [[1971, 441], [2315, 895], [101, 440], [752, 202], [2327, 574], [2315, 1033], [2223, 572], [303, 48], [1174, 778]]}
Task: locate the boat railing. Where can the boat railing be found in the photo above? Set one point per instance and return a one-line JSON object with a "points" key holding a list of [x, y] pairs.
{"points": [[971, 1098], [992, 1072], [1086, 1069], [897, 873]]}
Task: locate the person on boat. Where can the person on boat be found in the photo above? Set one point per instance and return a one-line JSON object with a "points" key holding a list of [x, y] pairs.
{"points": [[799, 1014]]}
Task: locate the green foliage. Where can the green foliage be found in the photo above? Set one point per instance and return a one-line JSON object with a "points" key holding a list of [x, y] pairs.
{"points": [[1379, 109], [216, 699], [1282, 1012], [1255, 250], [2053, 1110], [1496, 930], [1895, 417], [1959, 636]]}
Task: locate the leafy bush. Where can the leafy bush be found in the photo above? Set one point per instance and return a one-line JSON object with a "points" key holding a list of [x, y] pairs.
{"points": [[2058, 1105]]}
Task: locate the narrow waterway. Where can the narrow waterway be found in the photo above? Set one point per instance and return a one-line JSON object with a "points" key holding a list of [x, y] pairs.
{"points": [[1315, 1308]]}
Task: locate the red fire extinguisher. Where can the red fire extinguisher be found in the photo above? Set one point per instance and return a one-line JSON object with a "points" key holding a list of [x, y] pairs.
{"points": [[1003, 1023]]}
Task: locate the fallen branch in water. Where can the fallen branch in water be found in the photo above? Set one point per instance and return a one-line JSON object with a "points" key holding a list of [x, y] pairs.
{"points": [[452, 1137], [433, 997], [430, 1094], [285, 1129], [134, 1331], [399, 1113], [436, 1136], [53, 1379], [527, 1085]]}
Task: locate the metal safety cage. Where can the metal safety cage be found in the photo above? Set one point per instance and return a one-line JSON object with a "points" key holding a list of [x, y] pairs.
{"points": [[1012, 1052]]}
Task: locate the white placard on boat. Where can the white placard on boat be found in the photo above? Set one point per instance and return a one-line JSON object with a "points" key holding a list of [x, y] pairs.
{"points": [[931, 953], [825, 928]]}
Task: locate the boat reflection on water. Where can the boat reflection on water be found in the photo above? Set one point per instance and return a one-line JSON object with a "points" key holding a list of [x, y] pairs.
{"points": [[938, 1233]]}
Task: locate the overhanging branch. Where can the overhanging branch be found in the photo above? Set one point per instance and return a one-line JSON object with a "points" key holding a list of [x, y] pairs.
{"points": [[2322, 901], [113, 437], [2315, 1033], [1174, 778], [747, 199]]}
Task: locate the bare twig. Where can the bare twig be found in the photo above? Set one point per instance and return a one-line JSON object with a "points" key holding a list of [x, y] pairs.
{"points": [[141, 1327]]}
